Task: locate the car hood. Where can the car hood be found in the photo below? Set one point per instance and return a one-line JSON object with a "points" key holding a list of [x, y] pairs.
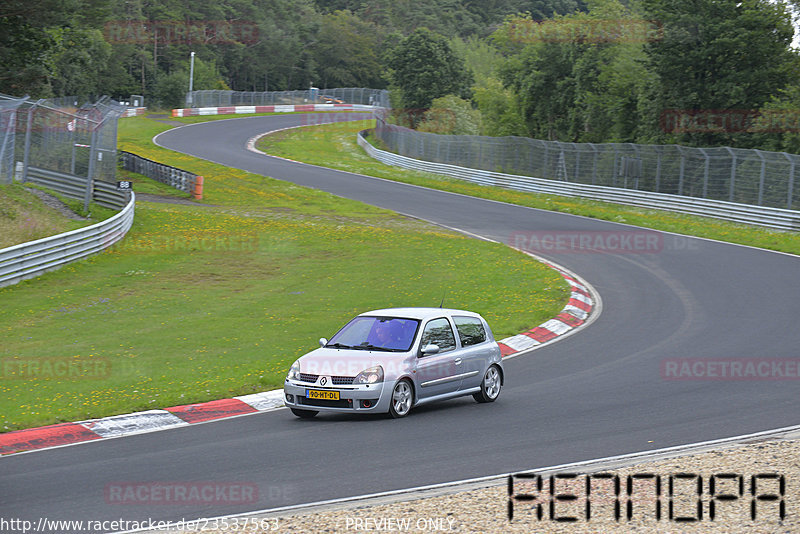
{"points": [[345, 362]]}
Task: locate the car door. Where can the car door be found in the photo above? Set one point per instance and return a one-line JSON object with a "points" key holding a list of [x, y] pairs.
{"points": [[437, 374], [475, 352]]}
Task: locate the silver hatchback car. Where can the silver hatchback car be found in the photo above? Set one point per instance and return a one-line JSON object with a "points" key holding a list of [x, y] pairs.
{"points": [[388, 361]]}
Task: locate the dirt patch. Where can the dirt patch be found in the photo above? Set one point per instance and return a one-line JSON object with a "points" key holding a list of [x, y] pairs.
{"points": [[53, 202]]}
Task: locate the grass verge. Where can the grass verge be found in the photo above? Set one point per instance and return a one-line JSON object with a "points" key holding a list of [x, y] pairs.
{"points": [[334, 145], [201, 302], [24, 217]]}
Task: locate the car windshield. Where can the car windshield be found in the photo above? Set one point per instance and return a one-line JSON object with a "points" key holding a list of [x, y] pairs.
{"points": [[393, 334]]}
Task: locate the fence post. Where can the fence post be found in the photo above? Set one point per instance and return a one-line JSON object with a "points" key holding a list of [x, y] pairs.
{"points": [[594, 163], [546, 157], [682, 169], [659, 150], [790, 187], [761, 177], [733, 173], [87, 198], [27, 153], [705, 172]]}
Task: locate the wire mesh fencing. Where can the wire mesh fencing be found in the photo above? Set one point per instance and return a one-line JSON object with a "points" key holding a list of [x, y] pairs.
{"points": [[57, 138], [9, 107], [348, 95], [81, 142], [745, 176]]}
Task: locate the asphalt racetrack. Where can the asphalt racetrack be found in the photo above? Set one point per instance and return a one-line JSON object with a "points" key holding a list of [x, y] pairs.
{"points": [[600, 392]]}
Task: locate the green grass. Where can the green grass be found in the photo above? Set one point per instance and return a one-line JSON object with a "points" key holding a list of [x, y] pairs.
{"points": [[24, 217], [334, 145], [202, 302]]}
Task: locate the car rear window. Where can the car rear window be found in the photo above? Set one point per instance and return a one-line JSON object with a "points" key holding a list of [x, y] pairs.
{"points": [[470, 330]]}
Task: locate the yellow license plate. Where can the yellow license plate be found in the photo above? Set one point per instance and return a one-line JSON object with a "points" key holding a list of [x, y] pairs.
{"points": [[322, 395]]}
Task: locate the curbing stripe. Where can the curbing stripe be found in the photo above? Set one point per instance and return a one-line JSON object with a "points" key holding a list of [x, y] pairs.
{"points": [[265, 400], [207, 411], [45, 437], [579, 306], [280, 108], [134, 423]]}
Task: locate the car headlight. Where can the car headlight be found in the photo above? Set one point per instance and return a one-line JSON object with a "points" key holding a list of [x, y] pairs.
{"points": [[294, 371], [370, 376]]}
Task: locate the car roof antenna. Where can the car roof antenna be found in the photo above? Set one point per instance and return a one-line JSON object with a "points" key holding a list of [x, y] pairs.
{"points": [[441, 304]]}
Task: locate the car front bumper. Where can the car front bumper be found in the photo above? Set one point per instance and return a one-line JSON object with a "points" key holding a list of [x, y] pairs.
{"points": [[366, 398]]}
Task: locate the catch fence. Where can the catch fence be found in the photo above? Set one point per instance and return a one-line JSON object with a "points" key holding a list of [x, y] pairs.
{"points": [[347, 95], [80, 142], [745, 176]]}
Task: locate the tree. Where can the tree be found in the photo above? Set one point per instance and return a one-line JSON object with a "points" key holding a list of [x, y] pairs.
{"points": [[499, 110], [170, 90], [423, 67], [80, 57], [347, 52], [26, 45], [719, 55], [543, 78], [451, 115]]}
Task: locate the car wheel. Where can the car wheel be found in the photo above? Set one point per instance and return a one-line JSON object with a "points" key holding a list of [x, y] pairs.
{"points": [[304, 414], [490, 386], [402, 398]]}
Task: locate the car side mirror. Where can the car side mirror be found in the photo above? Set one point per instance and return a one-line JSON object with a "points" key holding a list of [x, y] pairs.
{"points": [[323, 342], [430, 349]]}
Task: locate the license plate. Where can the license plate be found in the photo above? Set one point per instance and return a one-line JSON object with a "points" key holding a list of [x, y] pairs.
{"points": [[322, 395]]}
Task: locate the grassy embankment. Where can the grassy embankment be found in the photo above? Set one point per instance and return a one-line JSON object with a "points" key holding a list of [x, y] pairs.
{"points": [[24, 217]]}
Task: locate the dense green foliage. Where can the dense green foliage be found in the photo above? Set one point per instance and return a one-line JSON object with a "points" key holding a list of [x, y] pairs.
{"points": [[668, 64], [567, 70], [122, 47], [423, 67]]}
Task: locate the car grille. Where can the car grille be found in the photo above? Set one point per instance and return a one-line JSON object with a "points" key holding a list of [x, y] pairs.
{"points": [[343, 403], [336, 380]]}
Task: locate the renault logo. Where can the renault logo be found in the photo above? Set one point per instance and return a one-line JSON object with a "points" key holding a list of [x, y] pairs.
{"points": [[323, 380]]}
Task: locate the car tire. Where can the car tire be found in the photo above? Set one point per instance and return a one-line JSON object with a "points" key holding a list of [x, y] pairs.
{"points": [[490, 385], [402, 399], [304, 414]]}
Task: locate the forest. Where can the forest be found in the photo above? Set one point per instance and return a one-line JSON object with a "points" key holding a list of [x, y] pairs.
{"points": [[694, 72]]}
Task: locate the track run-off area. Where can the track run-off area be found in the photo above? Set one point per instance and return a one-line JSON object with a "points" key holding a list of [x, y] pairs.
{"points": [[614, 388]]}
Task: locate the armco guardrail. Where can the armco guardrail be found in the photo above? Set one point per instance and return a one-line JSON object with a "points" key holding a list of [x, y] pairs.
{"points": [[72, 186], [166, 174], [28, 260], [743, 213]]}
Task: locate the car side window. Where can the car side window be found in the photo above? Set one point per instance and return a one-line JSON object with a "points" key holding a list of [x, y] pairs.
{"points": [[470, 330], [438, 332]]}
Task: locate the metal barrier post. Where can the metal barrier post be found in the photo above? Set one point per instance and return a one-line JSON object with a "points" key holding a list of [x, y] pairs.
{"points": [[761, 177], [90, 174], [705, 173], [790, 191], [27, 154], [733, 173]]}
